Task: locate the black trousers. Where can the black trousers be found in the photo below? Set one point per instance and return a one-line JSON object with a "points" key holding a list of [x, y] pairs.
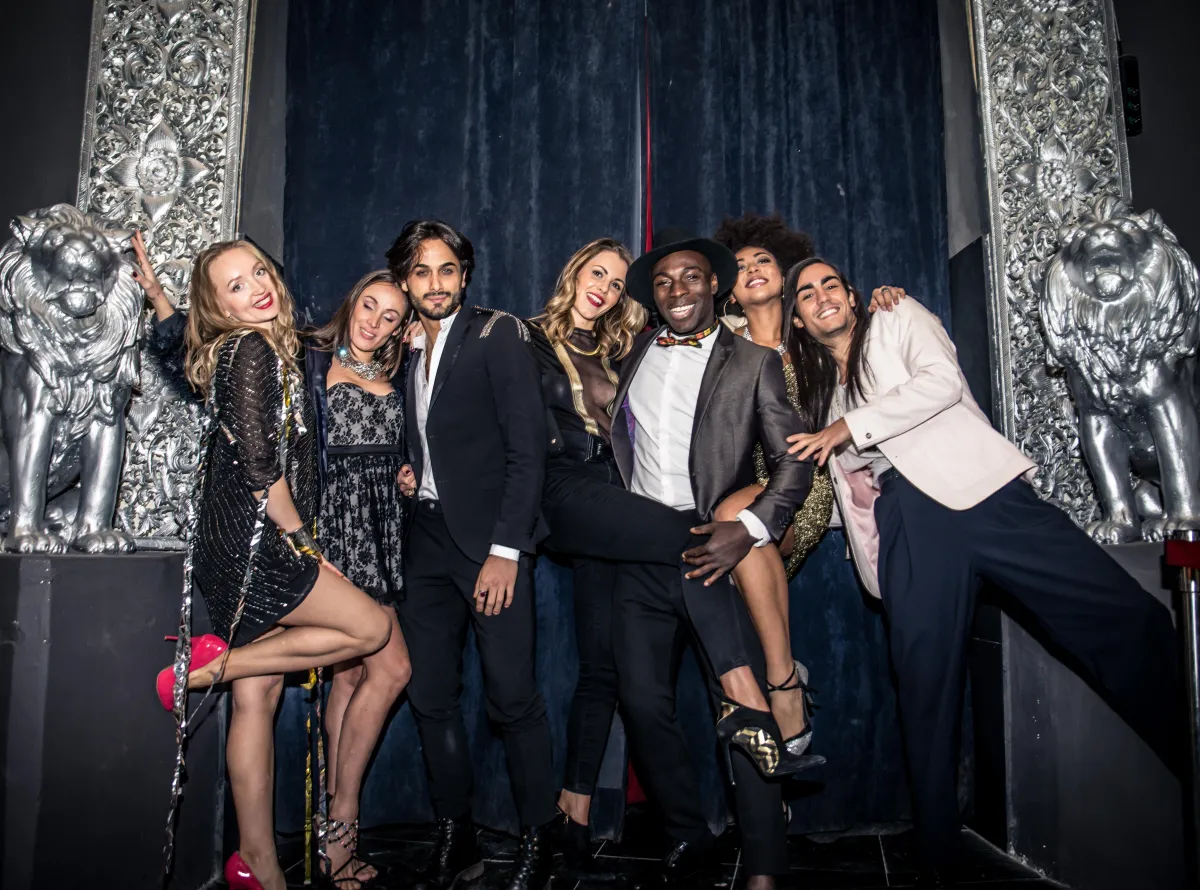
{"points": [[931, 563], [598, 524], [434, 615], [653, 624]]}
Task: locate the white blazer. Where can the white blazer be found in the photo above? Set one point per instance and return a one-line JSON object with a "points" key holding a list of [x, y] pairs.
{"points": [[918, 411]]}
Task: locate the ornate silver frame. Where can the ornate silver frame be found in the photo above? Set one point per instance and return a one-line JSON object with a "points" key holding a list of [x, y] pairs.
{"points": [[1053, 139], [162, 151]]}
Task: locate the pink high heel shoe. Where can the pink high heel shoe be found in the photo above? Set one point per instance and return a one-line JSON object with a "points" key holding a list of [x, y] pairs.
{"points": [[239, 876], [205, 648]]}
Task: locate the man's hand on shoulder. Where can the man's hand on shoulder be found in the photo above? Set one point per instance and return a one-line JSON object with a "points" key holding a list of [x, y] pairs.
{"points": [[728, 544], [886, 298], [495, 585]]}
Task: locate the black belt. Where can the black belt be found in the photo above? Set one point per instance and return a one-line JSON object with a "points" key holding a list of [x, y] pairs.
{"points": [[586, 447], [344, 450]]}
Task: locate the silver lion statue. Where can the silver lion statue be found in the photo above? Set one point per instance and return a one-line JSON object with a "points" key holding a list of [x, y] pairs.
{"points": [[1121, 312], [70, 325]]}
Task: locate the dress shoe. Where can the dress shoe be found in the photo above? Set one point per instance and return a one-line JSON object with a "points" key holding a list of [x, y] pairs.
{"points": [[535, 859], [456, 857], [682, 861]]}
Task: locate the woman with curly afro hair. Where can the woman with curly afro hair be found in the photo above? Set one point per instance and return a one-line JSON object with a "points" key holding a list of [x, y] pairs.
{"points": [[766, 247]]}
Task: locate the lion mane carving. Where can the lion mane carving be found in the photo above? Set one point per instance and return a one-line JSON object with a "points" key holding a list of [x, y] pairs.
{"points": [[1121, 313], [70, 324]]}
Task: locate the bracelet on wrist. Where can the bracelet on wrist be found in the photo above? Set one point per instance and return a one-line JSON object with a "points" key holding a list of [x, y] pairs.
{"points": [[302, 543]]}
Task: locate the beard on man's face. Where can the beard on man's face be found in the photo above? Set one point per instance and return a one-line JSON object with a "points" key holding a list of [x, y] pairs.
{"points": [[436, 311]]}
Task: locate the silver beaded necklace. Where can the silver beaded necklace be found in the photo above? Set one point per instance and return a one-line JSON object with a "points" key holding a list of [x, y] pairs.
{"points": [[366, 370], [781, 348]]}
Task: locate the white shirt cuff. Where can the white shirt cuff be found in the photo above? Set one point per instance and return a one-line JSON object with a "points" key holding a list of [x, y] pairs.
{"points": [[506, 552], [755, 526]]}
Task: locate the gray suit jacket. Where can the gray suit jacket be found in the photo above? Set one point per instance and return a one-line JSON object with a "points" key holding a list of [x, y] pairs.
{"points": [[743, 401]]}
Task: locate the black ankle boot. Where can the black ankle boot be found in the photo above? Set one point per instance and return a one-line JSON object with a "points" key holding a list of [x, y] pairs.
{"points": [[456, 857], [535, 860], [574, 841]]}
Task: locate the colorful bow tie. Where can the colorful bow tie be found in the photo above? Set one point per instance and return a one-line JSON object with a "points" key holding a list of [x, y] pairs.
{"points": [[689, 340]]}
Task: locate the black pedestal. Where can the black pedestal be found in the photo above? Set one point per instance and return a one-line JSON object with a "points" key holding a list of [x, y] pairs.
{"points": [[87, 749], [1089, 802]]}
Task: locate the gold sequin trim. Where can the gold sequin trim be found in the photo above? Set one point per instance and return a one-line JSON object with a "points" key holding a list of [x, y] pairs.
{"points": [[497, 314], [811, 520], [564, 359]]}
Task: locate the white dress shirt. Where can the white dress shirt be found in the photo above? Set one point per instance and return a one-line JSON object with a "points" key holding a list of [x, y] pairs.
{"points": [[426, 486], [663, 399]]}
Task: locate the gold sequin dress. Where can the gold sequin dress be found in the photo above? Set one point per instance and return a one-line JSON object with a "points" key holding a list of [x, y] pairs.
{"points": [[812, 519]]}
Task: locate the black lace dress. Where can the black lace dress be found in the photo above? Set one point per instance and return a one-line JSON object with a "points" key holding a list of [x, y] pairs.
{"points": [[362, 509], [264, 428]]}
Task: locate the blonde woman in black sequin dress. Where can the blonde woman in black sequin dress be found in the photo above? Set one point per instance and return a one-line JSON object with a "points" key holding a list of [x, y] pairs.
{"points": [[274, 600], [766, 248]]}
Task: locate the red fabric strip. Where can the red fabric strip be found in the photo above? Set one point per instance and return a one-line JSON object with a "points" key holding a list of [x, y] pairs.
{"points": [[649, 217], [1183, 554]]}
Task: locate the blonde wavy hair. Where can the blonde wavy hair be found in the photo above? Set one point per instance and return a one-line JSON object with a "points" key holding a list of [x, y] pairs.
{"points": [[616, 328], [208, 327]]}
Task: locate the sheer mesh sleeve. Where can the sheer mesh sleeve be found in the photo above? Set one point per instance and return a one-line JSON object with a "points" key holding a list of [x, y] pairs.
{"points": [[250, 397]]}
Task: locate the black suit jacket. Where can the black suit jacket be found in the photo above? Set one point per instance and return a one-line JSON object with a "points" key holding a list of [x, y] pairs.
{"points": [[743, 401], [487, 433]]}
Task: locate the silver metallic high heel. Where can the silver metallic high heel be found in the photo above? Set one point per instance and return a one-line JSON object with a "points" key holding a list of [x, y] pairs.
{"points": [[798, 679]]}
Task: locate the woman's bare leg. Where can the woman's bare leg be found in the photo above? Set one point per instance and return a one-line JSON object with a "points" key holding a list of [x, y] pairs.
{"points": [[250, 759], [334, 623], [578, 807], [384, 676], [345, 678], [763, 583], [740, 686]]}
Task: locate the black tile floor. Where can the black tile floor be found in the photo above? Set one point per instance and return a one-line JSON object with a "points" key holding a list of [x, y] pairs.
{"points": [[851, 862]]}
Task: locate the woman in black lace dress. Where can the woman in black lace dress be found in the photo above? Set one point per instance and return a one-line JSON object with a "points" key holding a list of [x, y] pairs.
{"points": [[276, 603], [355, 374]]}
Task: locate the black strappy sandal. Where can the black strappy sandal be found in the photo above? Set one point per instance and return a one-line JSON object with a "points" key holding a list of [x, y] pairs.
{"points": [[345, 834]]}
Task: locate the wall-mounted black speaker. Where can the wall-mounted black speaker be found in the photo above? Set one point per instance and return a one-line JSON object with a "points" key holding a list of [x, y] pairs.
{"points": [[1131, 95]]}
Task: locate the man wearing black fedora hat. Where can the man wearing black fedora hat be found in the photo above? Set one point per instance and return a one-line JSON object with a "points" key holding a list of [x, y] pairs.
{"points": [[692, 402]]}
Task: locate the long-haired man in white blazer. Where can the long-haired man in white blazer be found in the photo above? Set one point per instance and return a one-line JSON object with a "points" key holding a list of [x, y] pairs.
{"points": [[933, 500]]}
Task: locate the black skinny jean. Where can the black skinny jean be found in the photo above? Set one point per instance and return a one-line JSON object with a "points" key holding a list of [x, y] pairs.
{"points": [[599, 524]]}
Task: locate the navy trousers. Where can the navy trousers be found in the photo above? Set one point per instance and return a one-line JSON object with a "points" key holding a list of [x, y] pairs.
{"points": [[931, 562]]}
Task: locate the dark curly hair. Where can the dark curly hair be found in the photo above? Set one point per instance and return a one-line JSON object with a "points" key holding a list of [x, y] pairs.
{"points": [[771, 232], [787, 245]]}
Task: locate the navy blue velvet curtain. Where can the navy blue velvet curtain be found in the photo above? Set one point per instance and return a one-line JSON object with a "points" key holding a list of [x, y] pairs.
{"points": [[514, 121], [828, 111], [519, 122]]}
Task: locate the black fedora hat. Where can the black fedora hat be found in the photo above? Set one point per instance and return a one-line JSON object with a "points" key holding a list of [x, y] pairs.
{"points": [[669, 241]]}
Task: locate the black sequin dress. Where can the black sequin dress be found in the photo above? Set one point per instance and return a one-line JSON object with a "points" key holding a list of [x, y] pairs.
{"points": [[362, 509], [264, 428]]}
